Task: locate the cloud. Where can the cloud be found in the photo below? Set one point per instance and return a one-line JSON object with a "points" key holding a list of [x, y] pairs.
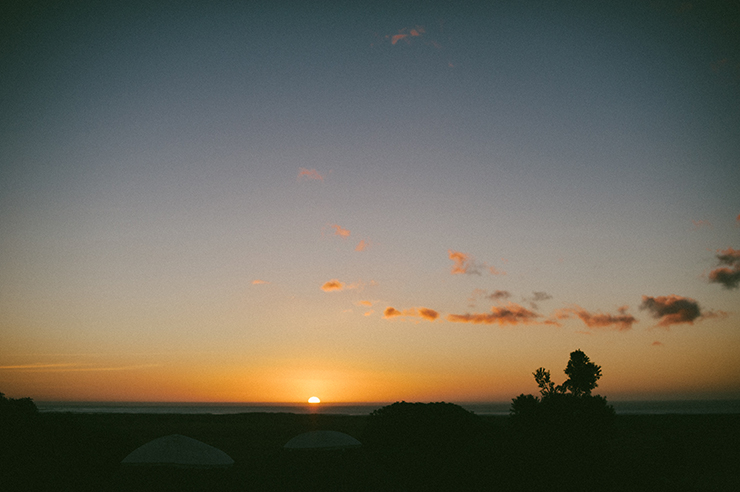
{"points": [[428, 314], [368, 313], [619, 322], [657, 344], [332, 285], [259, 282], [729, 275], [422, 312], [406, 35], [513, 314], [338, 231], [698, 224], [737, 219], [365, 303], [362, 245], [500, 294], [672, 309], [540, 296], [309, 174], [463, 263]]}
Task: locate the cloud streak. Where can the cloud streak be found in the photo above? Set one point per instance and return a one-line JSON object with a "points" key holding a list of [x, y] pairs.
{"points": [[729, 275], [421, 312], [309, 175], [619, 322], [464, 263], [512, 314]]}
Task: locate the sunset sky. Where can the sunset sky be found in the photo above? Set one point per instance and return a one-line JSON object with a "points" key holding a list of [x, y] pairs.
{"points": [[230, 203]]}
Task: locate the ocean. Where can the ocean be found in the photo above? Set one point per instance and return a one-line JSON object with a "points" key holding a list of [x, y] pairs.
{"points": [[685, 407]]}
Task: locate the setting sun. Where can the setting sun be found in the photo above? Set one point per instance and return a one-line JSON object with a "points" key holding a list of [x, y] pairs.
{"points": [[314, 399]]}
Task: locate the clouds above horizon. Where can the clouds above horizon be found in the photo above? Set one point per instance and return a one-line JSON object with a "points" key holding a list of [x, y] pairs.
{"points": [[619, 322], [674, 310], [421, 312], [512, 314], [729, 275], [332, 285]]}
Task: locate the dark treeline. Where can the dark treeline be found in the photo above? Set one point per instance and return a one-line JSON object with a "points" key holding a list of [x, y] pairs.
{"points": [[564, 439]]}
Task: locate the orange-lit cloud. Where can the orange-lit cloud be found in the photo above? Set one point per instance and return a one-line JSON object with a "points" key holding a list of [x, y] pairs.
{"points": [[423, 313], [259, 282], [338, 231], [728, 276], [619, 322], [332, 285], [309, 174], [657, 344], [672, 309], [365, 303], [368, 313], [463, 263], [428, 314], [405, 34], [362, 245], [513, 314]]}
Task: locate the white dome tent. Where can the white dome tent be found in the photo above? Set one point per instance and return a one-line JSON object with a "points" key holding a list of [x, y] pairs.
{"points": [[178, 451], [322, 440]]}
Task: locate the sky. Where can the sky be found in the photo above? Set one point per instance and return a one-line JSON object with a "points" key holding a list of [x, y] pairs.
{"points": [[225, 201]]}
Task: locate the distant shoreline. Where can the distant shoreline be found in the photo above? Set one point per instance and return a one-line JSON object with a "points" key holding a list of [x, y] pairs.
{"points": [[625, 407]]}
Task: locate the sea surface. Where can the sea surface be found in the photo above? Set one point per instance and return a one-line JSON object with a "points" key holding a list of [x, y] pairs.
{"points": [[685, 407]]}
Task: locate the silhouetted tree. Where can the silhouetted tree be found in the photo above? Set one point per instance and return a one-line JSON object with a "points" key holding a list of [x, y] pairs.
{"points": [[565, 429]]}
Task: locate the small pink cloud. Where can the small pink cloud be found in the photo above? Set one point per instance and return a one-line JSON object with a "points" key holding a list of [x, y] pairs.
{"points": [[362, 245], [338, 231], [309, 174], [259, 282]]}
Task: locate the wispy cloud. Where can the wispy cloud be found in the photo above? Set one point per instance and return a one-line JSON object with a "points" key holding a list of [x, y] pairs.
{"points": [[672, 310], [464, 263], [259, 282], [422, 312], [70, 367], [309, 174], [728, 276], [620, 322], [513, 314], [500, 294], [657, 344], [698, 224], [332, 285], [338, 231], [365, 303], [362, 245]]}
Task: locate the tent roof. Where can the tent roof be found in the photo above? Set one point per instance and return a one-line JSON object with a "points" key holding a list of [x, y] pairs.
{"points": [[178, 450], [323, 439]]}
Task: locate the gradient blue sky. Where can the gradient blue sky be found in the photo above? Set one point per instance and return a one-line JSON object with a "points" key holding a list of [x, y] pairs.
{"points": [[178, 181]]}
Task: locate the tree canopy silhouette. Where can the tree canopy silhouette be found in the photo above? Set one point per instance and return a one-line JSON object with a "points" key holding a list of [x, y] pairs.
{"points": [[566, 427]]}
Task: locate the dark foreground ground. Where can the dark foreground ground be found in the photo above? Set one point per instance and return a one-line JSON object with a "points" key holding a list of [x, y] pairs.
{"points": [[80, 452]]}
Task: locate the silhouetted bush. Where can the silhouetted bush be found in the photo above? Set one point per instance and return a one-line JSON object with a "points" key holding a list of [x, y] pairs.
{"points": [[430, 446]]}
